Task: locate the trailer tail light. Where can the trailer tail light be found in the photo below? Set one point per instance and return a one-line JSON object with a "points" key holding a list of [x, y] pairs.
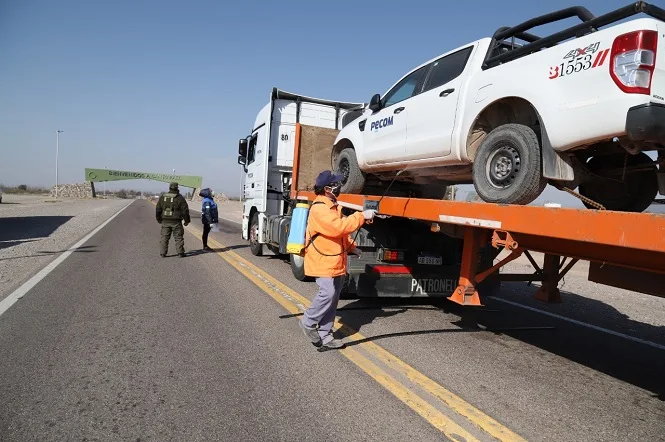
{"points": [[391, 255], [633, 60]]}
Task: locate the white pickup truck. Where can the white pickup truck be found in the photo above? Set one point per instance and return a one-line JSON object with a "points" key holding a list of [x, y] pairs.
{"points": [[513, 112]]}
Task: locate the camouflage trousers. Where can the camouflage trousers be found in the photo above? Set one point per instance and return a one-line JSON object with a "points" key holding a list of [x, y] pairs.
{"points": [[175, 227]]}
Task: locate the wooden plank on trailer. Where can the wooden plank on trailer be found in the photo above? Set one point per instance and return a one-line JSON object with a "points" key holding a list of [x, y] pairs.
{"points": [[314, 154]]}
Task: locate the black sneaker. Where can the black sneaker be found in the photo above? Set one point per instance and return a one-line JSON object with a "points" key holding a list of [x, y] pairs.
{"points": [[207, 249], [182, 255]]}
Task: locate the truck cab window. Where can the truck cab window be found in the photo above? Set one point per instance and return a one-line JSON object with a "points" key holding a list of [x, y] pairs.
{"points": [[446, 69], [404, 89], [251, 151]]}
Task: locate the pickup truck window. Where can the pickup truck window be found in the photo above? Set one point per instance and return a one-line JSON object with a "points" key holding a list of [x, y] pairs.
{"points": [[447, 68], [405, 88]]}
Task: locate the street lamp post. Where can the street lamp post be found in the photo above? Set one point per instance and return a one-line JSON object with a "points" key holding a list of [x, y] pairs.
{"points": [[57, 153]]}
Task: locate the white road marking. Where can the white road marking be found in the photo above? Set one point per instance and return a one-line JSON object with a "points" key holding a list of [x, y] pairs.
{"points": [[17, 294], [221, 217], [582, 324]]}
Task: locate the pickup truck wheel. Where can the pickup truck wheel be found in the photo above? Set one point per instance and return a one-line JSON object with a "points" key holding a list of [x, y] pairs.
{"points": [[298, 267], [254, 245], [507, 166], [607, 185], [346, 164]]}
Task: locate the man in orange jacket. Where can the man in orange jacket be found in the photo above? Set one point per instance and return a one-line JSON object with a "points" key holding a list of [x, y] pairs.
{"points": [[328, 243]]}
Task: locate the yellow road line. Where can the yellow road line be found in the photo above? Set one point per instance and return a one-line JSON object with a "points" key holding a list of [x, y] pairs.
{"points": [[437, 419], [293, 302]]}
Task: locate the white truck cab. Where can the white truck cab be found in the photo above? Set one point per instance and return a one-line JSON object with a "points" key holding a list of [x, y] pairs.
{"points": [[266, 155]]}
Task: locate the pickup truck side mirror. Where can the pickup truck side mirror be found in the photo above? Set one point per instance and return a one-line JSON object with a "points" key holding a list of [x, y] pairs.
{"points": [[375, 103]]}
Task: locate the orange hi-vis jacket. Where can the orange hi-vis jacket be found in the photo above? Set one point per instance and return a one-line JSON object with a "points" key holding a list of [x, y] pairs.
{"points": [[333, 238]]}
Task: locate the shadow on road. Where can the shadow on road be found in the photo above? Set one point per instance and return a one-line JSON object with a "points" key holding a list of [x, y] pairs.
{"points": [[640, 364], [13, 229], [228, 248], [633, 362], [198, 252], [83, 249]]}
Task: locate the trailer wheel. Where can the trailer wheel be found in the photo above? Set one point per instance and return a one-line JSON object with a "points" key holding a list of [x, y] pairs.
{"points": [[255, 246], [507, 167], [633, 193], [346, 164], [298, 267]]}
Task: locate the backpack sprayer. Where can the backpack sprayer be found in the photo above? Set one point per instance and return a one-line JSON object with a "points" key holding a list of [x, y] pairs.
{"points": [[297, 231]]}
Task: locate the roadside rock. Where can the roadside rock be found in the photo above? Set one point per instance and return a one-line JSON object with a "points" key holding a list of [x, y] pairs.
{"points": [[81, 191]]}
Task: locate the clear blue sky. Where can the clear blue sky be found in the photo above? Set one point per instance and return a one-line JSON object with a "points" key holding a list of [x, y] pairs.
{"points": [[158, 85]]}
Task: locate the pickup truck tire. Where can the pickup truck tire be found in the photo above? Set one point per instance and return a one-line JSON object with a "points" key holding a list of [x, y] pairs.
{"points": [[346, 164], [635, 193], [507, 166], [298, 267], [254, 245]]}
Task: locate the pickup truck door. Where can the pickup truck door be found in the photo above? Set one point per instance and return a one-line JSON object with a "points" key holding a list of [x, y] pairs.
{"points": [[432, 112], [385, 131]]}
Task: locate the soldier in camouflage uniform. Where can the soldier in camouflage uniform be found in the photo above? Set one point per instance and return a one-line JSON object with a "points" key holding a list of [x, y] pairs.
{"points": [[171, 210]]}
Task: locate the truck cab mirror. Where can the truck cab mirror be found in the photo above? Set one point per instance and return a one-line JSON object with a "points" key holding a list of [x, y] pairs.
{"points": [[375, 103], [242, 160], [242, 148]]}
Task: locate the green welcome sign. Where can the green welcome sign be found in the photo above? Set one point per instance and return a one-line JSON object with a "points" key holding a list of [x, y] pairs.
{"points": [[100, 175]]}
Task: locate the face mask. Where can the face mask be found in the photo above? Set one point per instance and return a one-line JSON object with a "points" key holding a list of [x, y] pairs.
{"points": [[335, 190]]}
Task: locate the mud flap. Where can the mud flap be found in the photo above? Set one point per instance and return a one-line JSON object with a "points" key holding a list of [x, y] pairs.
{"points": [[556, 165]]}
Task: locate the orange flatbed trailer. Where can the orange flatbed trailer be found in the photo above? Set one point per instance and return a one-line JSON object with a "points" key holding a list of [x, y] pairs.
{"points": [[626, 250]]}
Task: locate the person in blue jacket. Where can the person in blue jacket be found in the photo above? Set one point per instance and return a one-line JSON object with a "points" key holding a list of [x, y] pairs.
{"points": [[209, 215]]}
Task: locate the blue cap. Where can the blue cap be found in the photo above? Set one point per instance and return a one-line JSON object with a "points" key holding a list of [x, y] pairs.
{"points": [[327, 177]]}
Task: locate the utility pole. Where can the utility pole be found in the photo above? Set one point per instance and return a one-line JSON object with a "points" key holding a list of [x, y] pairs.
{"points": [[105, 184], [57, 153]]}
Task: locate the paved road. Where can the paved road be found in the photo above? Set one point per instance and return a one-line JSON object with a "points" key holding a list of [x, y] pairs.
{"points": [[118, 344]]}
